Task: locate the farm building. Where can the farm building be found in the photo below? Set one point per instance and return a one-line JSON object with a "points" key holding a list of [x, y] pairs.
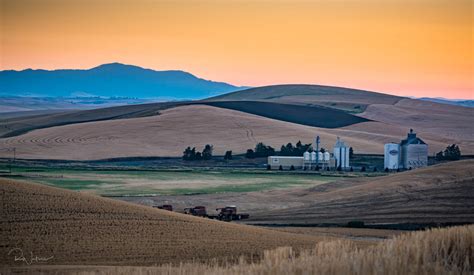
{"points": [[411, 153], [285, 162], [312, 159]]}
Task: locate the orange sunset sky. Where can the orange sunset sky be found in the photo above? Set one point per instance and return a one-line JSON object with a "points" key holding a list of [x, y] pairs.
{"points": [[416, 48]]}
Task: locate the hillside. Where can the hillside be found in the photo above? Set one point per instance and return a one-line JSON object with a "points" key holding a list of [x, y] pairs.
{"points": [[347, 99], [197, 125], [152, 129], [21, 124], [110, 80], [449, 123], [77, 228], [435, 194], [15, 105]]}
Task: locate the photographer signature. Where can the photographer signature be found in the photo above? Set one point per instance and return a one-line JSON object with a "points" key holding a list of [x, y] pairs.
{"points": [[19, 257]]}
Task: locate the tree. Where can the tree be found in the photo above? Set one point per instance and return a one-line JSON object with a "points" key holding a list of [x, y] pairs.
{"points": [[228, 155], [386, 170], [189, 154], [452, 152], [439, 156], [375, 169], [352, 170], [280, 168], [262, 150], [322, 150], [269, 167], [207, 152], [297, 150], [292, 168], [198, 156], [362, 169], [351, 153], [250, 154]]}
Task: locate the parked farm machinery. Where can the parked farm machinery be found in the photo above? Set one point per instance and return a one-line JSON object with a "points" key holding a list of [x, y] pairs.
{"points": [[228, 213]]}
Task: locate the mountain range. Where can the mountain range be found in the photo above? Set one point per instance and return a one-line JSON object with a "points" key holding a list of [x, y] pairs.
{"points": [[110, 80]]}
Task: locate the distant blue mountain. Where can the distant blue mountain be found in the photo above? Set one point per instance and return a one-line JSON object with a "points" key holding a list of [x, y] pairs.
{"points": [[110, 80], [458, 102]]}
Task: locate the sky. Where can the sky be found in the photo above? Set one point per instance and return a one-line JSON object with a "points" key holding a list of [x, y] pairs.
{"points": [[402, 47]]}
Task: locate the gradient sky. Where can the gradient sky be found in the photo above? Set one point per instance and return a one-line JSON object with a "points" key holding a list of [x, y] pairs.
{"points": [[415, 48]]}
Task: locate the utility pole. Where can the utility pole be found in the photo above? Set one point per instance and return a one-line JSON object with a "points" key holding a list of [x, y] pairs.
{"points": [[317, 151]]}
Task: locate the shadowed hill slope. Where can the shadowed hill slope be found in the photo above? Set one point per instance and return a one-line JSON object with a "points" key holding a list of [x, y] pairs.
{"points": [[77, 228], [315, 116], [435, 194]]}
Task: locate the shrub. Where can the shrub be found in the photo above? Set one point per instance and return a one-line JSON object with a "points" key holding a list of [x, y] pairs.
{"points": [[228, 155], [250, 154]]}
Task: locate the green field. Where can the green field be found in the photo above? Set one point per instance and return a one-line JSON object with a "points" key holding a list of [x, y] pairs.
{"points": [[166, 182]]}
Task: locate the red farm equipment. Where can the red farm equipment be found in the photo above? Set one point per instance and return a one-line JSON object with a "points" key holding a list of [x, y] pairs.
{"points": [[168, 207]]}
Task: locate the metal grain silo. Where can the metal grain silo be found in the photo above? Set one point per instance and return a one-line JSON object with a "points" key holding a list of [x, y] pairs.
{"points": [[392, 156]]}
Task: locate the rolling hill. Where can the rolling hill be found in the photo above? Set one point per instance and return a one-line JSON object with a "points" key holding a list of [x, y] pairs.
{"points": [[110, 80], [346, 99], [436, 194], [176, 128], [165, 129], [75, 228]]}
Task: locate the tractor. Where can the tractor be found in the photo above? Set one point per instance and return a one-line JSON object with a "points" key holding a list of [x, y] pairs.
{"points": [[168, 207], [199, 211], [229, 213]]}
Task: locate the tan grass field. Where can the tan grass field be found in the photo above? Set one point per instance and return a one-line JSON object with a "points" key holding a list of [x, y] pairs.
{"points": [[434, 194], [174, 129], [77, 229], [437, 251]]}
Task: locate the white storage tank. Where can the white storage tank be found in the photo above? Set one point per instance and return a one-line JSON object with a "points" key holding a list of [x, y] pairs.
{"points": [[327, 156], [313, 156], [341, 154], [321, 156], [307, 156], [392, 156]]}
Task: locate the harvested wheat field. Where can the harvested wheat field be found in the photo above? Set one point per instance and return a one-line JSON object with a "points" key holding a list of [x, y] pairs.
{"points": [[437, 251], [174, 129], [435, 194], [76, 228]]}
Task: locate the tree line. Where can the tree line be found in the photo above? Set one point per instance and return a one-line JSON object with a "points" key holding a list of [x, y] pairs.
{"points": [[452, 152], [261, 150]]}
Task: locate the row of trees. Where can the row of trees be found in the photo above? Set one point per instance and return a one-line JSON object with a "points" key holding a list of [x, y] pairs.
{"points": [[191, 153], [261, 150], [452, 152], [298, 150]]}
